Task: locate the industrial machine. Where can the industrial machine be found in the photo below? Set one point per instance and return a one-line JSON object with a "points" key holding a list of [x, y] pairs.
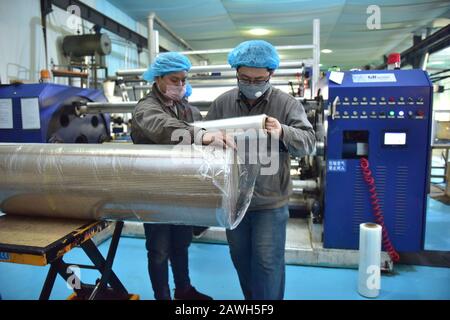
{"points": [[372, 151], [383, 117], [87, 55], [33, 113]]}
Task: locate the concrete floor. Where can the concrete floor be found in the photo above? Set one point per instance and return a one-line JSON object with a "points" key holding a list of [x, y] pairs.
{"points": [[212, 272]]}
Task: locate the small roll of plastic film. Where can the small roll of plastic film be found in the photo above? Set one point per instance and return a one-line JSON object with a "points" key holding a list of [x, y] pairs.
{"points": [[369, 278]]}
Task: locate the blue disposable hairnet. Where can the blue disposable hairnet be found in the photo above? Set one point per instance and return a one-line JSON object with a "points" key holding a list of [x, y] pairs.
{"points": [[165, 63], [188, 90], [254, 53]]}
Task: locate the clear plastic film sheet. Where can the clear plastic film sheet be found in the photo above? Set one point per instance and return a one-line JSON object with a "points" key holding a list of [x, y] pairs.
{"points": [[191, 185], [234, 125]]}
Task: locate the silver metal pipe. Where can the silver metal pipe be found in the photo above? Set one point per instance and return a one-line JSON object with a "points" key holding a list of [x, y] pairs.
{"points": [[138, 87], [320, 148], [215, 68], [232, 75], [122, 107], [301, 203], [316, 57], [307, 185], [226, 67], [215, 84], [130, 72], [424, 61], [125, 107], [105, 107], [279, 48], [151, 49]]}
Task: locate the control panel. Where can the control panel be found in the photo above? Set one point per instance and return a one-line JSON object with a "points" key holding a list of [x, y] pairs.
{"points": [[383, 116]]}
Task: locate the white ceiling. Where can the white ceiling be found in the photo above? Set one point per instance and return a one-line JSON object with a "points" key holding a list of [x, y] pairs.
{"points": [[214, 24]]}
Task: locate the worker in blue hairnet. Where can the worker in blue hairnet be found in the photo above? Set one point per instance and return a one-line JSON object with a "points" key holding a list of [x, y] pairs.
{"points": [[257, 245], [155, 118]]}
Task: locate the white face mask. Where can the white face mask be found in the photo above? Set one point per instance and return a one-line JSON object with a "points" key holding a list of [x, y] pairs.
{"points": [[175, 93]]}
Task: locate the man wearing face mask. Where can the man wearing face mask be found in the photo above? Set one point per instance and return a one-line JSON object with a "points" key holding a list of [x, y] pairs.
{"points": [[257, 245], [155, 118]]}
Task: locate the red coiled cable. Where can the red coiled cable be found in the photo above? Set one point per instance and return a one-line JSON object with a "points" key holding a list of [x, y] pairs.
{"points": [[377, 211]]}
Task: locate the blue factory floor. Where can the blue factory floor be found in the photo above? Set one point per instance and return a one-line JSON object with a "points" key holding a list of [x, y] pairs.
{"points": [[212, 272]]}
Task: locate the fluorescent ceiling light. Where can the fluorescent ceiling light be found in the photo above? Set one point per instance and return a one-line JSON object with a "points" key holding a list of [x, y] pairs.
{"points": [[326, 51], [259, 32], [435, 62]]}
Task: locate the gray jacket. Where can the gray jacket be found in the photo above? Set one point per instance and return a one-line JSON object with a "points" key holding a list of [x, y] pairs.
{"points": [[154, 120], [272, 191]]}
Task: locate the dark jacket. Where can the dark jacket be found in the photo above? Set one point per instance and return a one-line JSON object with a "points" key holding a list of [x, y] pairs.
{"points": [[271, 191], [154, 120]]}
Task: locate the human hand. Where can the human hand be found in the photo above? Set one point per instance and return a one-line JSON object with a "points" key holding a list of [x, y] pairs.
{"points": [[219, 139], [273, 127]]}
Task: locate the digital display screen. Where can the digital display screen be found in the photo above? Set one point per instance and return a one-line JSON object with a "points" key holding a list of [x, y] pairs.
{"points": [[395, 138]]}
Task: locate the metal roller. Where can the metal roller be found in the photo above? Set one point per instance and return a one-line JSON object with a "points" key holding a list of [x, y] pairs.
{"points": [[305, 185], [232, 75], [209, 68], [148, 183], [105, 107], [124, 107], [120, 107], [202, 84]]}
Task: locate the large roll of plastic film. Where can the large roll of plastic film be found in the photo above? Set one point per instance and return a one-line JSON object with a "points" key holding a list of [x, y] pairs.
{"points": [[190, 185]]}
